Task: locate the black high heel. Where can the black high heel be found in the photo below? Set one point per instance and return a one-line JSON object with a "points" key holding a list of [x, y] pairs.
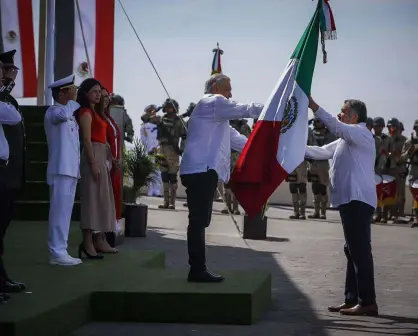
{"points": [[82, 249]]}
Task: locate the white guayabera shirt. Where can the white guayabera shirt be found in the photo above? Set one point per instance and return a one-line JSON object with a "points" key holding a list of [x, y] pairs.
{"points": [[210, 138], [352, 161]]}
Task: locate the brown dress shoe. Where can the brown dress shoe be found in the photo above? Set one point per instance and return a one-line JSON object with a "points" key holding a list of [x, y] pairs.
{"points": [[358, 310], [336, 309]]}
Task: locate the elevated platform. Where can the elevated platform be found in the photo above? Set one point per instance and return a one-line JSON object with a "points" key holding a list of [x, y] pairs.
{"points": [[131, 286]]}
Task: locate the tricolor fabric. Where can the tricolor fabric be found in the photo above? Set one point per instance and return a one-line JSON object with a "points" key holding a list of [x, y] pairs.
{"points": [[276, 147], [216, 63], [98, 20], [16, 32]]}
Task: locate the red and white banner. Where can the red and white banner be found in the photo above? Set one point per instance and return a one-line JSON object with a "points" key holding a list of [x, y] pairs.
{"points": [[16, 32], [98, 22]]}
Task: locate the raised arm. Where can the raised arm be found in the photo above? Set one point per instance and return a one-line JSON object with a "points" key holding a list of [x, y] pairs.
{"points": [[353, 134], [226, 109], [238, 140], [63, 113], [9, 115], [325, 152]]}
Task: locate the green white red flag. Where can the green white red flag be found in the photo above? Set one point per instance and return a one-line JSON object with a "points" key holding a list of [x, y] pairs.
{"points": [[216, 63], [276, 147]]}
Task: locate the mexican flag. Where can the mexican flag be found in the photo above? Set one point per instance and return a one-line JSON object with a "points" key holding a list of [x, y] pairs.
{"points": [[276, 147]]}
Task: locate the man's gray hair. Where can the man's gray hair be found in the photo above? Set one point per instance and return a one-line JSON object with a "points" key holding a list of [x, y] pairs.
{"points": [[214, 79], [359, 108]]}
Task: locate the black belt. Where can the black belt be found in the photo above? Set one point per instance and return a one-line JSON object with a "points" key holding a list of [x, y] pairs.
{"points": [[3, 163]]}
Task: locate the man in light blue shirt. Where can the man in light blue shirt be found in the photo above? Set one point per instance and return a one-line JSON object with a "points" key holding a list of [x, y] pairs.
{"points": [[353, 192]]}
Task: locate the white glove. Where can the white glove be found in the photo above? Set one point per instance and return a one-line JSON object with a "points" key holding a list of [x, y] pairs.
{"points": [[108, 165]]}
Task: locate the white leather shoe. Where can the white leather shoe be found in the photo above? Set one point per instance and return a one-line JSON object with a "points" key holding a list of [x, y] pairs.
{"points": [[66, 260]]}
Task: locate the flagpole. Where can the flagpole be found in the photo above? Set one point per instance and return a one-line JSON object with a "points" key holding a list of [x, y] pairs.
{"points": [[50, 39], [41, 53]]}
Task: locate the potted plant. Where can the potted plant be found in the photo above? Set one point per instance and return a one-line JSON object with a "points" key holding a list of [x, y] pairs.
{"points": [[256, 227], [139, 170]]}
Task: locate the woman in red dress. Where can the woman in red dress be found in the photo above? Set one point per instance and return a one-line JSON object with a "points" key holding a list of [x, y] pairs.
{"points": [[114, 139]]}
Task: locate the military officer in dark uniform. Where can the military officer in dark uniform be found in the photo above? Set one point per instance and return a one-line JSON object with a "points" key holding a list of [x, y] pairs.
{"points": [[12, 176], [170, 130], [319, 171]]}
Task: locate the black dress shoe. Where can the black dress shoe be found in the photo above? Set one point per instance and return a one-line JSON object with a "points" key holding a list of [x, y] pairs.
{"points": [[204, 276], [4, 297], [10, 286]]}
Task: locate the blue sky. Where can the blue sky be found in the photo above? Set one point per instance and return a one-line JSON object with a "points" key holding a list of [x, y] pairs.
{"points": [[375, 57]]}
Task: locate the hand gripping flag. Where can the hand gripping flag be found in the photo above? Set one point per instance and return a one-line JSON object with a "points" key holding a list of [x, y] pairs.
{"points": [[216, 63], [276, 147]]}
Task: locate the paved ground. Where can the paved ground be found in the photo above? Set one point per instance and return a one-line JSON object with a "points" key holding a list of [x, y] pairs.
{"points": [[306, 259]]}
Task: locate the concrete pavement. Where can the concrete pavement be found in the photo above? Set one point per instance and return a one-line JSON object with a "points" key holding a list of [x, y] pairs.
{"points": [[307, 262]]}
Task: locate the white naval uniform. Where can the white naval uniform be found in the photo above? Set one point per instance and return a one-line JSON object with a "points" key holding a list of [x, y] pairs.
{"points": [[63, 172], [8, 116], [148, 134]]}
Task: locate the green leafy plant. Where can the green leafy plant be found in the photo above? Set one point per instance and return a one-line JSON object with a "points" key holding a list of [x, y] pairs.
{"points": [[140, 168]]}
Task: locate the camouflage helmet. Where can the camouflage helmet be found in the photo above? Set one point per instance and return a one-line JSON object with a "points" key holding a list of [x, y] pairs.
{"points": [[117, 100], [370, 122], [393, 122], [416, 123], [150, 108], [379, 122], [170, 103]]}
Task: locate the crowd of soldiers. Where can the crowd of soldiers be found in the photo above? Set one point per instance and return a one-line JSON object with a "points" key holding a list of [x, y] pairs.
{"points": [[313, 171], [396, 157], [172, 138]]}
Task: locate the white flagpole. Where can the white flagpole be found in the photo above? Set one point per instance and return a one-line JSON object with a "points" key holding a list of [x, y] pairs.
{"points": [[41, 53], [50, 52]]}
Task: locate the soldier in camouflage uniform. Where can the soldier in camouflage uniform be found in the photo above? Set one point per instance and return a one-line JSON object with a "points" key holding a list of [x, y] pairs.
{"points": [[170, 130], [128, 128], [396, 167], [318, 173], [148, 112], [231, 201], [382, 150], [410, 155], [297, 185]]}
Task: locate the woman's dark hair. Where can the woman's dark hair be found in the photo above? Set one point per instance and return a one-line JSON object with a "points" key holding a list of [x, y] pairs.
{"points": [[83, 89], [106, 109]]}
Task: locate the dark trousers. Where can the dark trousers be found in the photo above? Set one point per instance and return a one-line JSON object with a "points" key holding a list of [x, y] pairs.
{"points": [[7, 198], [356, 218], [200, 189]]}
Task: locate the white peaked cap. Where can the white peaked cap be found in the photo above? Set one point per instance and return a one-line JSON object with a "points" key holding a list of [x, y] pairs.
{"points": [[62, 82]]}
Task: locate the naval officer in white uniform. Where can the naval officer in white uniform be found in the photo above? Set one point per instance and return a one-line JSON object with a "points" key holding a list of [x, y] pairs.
{"points": [[148, 133], [63, 167]]}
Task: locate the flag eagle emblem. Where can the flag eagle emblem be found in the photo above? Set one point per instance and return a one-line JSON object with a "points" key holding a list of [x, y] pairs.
{"points": [[290, 114]]}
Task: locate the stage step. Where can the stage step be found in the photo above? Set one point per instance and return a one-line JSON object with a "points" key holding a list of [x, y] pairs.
{"points": [[33, 114], [37, 151], [36, 171], [38, 191], [127, 287], [38, 211], [35, 132]]}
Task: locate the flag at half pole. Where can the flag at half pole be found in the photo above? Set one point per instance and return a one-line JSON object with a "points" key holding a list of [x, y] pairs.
{"points": [[216, 63], [276, 147]]}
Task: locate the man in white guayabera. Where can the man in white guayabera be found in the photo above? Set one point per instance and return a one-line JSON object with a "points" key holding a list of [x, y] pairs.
{"points": [[206, 159], [353, 192]]}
